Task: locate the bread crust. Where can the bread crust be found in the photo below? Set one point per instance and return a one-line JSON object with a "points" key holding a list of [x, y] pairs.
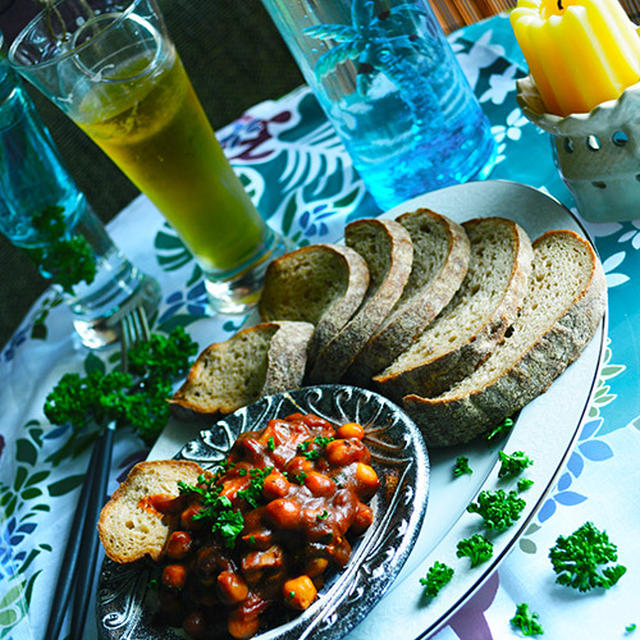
{"points": [[410, 317], [435, 375], [124, 506], [459, 418], [286, 359], [339, 311], [333, 361]]}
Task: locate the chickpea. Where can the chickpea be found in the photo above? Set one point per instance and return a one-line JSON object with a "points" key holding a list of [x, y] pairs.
{"points": [[316, 566], [319, 484], [195, 624], [299, 592], [299, 464], [174, 576], [350, 430], [179, 545], [186, 517], [165, 503], [231, 588], [241, 628], [275, 486], [283, 513], [342, 452], [366, 479], [362, 519]]}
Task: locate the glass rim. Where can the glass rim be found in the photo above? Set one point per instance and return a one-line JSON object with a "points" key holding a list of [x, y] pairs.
{"points": [[56, 59]]}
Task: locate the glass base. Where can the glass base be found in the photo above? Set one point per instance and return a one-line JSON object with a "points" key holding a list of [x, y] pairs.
{"points": [[239, 291], [99, 324]]}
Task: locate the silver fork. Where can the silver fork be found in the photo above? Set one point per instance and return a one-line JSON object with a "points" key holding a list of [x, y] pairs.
{"points": [[82, 546]]}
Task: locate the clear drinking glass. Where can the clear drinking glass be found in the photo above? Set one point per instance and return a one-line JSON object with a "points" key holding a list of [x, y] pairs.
{"points": [[111, 66], [390, 84], [33, 184]]}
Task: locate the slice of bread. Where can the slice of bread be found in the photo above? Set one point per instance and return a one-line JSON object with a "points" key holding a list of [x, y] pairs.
{"points": [[386, 246], [267, 358], [566, 301], [468, 329], [323, 284], [129, 527], [440, 262]]}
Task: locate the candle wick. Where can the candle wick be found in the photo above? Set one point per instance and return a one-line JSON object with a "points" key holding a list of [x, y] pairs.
{"points": [[560, 7]]}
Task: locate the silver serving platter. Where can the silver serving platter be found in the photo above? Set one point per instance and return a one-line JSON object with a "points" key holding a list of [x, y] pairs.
{"points": [[125, 604]]}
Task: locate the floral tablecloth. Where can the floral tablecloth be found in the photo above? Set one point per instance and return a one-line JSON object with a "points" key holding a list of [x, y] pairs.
{"points": [[302, 180]]}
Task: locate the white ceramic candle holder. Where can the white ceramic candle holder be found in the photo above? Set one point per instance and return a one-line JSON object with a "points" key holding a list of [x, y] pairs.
{"points": [[597, 153]]}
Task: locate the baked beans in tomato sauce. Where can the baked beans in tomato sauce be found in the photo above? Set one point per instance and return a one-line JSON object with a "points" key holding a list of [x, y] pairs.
{"points": [[264, 529]]}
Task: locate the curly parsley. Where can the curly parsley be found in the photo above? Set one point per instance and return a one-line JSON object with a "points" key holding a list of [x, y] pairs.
{"points": [[581, 560], [526, 621], [437, 577], [513, 465], [477, 548], [69, 259], [461, 467], [498, 509]]}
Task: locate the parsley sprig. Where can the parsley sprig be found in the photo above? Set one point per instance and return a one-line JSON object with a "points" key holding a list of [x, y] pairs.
{"points": [[437, 577], [138, 398], [581, 560], [527, 621], [513, 465], [477, 548], [69, 258], [498, 509]]}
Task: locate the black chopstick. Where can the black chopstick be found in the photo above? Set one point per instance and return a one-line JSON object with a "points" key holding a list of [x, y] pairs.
{"points": [[89, 537], [69, 561]]}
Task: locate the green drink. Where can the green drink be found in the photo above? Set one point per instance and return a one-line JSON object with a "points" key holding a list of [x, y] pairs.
{"points": [[120, 79]]}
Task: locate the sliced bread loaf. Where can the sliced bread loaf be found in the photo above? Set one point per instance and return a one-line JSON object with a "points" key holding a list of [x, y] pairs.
{"points": [[387, 249], [129, 526], [468, 329], [440, 262], [267, 358], [564, 305], [323, 284]]}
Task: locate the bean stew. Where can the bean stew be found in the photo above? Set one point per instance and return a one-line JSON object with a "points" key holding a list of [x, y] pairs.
{"points": [[261, 532]]}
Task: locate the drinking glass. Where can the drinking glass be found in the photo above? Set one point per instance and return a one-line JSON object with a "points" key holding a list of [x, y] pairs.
{"points": [[33, 184], [112, 67], [391, 86]]}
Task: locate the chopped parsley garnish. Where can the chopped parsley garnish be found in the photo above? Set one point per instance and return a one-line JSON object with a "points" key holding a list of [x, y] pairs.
{"points": [[229, 525], [527, 621], [498, 509], [271, 443], [502, 428], [437, 577], [477, 548], [524, 484], [461, 466], [252, 539], [630, 628], [299, 478], [291, 595], [323, 441], [581, 560], [253, 492], [513, 465], [323, 516]]}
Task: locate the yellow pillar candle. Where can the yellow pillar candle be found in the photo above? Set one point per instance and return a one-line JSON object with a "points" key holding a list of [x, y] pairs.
{"points": [[580, 52]]}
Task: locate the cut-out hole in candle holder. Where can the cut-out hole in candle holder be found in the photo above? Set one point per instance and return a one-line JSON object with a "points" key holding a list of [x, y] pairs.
{"points": [[619, 138], [599, 185], [568, 145], [638, 177], [593, 143]]}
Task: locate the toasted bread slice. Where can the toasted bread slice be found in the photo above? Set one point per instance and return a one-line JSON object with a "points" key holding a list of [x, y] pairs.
{"points": [[468, 329], [267, 358], [440, 261], [323, 284], [129, 527], [386, 246], [565, 303]]}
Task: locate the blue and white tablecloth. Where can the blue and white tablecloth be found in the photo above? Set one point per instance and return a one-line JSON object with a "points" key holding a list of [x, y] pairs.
{"points": [[302, 181]]}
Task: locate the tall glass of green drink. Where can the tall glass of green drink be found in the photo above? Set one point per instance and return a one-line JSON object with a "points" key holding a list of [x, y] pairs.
{"points": [[111, 66]]}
